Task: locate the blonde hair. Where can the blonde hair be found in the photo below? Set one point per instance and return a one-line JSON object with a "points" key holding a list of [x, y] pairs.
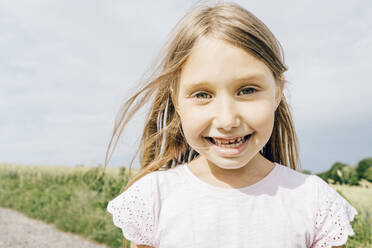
{"points": [[162, 145]]}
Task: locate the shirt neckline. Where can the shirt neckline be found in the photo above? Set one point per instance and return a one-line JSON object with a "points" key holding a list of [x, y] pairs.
{"points": [[248, 189]]}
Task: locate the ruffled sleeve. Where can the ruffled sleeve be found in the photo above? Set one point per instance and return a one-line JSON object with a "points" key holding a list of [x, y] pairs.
{"points": [[332, 217], [133, 211]]}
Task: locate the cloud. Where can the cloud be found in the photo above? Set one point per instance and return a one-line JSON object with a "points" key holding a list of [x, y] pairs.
{"points": [[67, 66]]}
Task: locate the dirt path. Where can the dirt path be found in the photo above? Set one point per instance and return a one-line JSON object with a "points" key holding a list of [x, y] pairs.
{"points": [[19, 231]]}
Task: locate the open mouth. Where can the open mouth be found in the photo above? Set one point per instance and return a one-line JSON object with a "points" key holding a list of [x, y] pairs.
{"points": [[229, 147], [233, 143]]}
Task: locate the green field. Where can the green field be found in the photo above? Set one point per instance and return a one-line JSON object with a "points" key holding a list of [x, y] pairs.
{"points": [[74, 201], [361, 199]]}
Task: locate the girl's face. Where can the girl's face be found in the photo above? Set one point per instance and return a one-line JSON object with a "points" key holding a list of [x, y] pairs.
{"points": [[226, 95]]}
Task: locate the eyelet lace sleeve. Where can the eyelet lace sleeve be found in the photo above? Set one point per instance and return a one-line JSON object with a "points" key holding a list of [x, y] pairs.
{"points": [[332, 218], [133, 212]]}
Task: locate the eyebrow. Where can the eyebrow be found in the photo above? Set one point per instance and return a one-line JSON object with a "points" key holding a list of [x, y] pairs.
{"points": [[244, 79]]}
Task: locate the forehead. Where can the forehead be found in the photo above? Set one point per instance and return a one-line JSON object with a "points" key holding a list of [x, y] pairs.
{"points": [[216, 60]]}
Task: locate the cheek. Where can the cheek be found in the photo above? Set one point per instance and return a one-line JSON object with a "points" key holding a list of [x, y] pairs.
{"points": [[260, 115], [193, 122]]}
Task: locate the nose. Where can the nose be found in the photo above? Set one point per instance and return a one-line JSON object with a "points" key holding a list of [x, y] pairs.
{"points": [[226, 114]]}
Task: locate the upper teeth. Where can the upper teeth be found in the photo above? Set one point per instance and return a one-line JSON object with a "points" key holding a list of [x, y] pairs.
{"points": [[224, 141]]}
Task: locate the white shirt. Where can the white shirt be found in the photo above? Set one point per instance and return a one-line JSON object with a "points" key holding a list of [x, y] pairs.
{"points": [[285, 209]]}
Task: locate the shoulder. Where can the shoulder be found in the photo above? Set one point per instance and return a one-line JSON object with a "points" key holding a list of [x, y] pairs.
{"points": [[293, 179], [171, 174], [135, 211], [328, 199], [287, 171], [170, 180], [297, 187], [137, 196], [324, 191], [331, 213]]}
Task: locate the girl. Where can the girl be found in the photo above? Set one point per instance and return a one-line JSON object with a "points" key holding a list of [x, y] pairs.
{"points": [[219, 153]]}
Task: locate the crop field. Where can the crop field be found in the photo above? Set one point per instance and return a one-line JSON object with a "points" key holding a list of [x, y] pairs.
{"points": [[73, 200]]}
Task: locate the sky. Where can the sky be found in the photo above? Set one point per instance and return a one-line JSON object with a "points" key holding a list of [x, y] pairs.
{"points": [[66, 67]]}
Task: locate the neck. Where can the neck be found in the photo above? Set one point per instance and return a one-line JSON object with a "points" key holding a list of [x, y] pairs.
{"points": [[257, 166]]}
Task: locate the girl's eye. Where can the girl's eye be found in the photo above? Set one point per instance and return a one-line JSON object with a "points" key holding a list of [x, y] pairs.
{"points": [[202, 95], [248, 90]]}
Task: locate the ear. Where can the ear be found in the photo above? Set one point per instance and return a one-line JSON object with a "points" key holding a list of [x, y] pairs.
{"points": [[279, 91]]}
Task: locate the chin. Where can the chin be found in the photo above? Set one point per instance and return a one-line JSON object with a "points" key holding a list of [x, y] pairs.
{"points": [[228, 163]]}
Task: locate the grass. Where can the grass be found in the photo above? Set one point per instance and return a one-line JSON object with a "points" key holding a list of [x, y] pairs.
{"points": [[72, 200], [67, 197], [361, 199]]}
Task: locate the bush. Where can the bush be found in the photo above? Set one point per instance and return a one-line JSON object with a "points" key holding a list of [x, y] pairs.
{"points": [[341, 173], [335, 173], [350, 175], [363, 166], [368, 174]]}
